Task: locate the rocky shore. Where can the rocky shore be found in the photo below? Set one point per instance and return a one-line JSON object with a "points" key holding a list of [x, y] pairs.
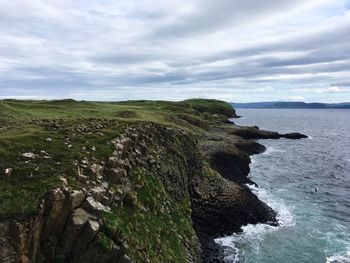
{"points": [[155, 192]]}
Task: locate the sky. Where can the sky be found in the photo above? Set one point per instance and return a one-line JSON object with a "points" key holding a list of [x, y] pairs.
{"points": [[233, 50]]}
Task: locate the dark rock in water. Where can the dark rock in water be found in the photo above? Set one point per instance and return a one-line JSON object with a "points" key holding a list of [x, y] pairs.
{"points": [[294, 135], [249, 133], [250, 147], [226, 207]]}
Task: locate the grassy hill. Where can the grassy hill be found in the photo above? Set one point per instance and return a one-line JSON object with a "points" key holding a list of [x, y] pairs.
{"points": [[147, 150]]}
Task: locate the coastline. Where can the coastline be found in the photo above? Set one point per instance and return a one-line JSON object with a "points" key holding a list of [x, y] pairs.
{"points": [[121, 175], [235, 167]]}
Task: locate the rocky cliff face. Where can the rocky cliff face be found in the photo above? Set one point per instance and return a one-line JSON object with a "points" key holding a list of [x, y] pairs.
{"points": [[155, 193], [74, 225]]}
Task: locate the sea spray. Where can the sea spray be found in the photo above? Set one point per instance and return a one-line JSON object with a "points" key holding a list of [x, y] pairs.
{"points": [[252, 234]]}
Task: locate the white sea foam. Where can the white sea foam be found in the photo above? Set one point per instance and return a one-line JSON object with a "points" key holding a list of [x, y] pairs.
{"points": [[285, 217], [269, 150], [339, 258], [251, 233]]}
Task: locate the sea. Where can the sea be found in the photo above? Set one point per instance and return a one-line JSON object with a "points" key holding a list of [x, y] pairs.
{"points": [[307, 182]]}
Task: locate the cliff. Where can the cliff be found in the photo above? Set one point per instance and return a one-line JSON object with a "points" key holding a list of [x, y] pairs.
{"points": [[138, 181]]}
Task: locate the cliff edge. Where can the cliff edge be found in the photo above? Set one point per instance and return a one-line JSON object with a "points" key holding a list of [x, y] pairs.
{"points": [[137, 181]]}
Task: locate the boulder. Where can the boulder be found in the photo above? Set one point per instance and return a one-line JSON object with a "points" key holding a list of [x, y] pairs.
{"points": [[29, 155], [73, 228], [76, 198], [96, 169], [94, 207], [85, 238], [8, 171], [53, 207], [294, 136], [115, 174]]}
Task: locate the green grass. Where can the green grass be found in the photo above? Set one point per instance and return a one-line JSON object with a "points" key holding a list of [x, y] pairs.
{"points": [[154, 224], [25, 126], [31, 178], [157, 111], [155, 227], [211, 106]]}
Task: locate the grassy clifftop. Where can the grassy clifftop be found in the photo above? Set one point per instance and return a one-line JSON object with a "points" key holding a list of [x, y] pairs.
{"points": [[127, 165], [157, 111], [55, 132]]}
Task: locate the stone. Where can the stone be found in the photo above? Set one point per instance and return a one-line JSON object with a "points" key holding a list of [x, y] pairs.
{"points": [[85, 160], [7, 251], [29, 155], [96, 169], [84, 240], [8, 171], [294, 136], [49, 140], [115, 174], [113, 161], [119, 146], [82, 178], [77, 197], [64, 180], [127, 142], [95, 207], [53, 207], [74, 227], [98, 193]]}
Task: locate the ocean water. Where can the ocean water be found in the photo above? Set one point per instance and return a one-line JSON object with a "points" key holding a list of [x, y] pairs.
{"points": [[307, 182]]}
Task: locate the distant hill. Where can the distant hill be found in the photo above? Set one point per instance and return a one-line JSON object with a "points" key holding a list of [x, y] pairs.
{"points": [[290, 105]]}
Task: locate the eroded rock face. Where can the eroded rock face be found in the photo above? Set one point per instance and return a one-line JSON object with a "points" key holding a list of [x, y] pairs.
{"points": [[68, 225], [20, 239]]}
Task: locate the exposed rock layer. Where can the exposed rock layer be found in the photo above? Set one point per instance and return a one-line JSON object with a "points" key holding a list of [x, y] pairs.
{"points": [[208, 170]]}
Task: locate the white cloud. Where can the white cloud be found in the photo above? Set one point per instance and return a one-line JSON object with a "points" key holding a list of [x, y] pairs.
{"points": [[321, 90], [222, 49], [296, 98], [332, 90]]}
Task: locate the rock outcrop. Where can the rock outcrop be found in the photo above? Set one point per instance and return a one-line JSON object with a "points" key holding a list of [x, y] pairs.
{"points": [[155, 183], [255, 133]]}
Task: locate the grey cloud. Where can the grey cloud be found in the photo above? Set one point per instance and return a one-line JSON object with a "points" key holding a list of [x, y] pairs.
{"points": [[104, 47], [211, 15]]}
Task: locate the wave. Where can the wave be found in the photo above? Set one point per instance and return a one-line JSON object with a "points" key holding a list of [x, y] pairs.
{"points": [[269, 150], [254, 233], [285, 217], [339, 258]]}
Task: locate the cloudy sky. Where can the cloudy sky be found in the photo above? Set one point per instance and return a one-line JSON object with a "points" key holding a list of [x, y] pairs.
{"points": [[234, 50]]}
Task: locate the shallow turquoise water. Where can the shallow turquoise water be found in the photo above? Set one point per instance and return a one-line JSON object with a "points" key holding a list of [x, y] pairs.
{"points": [[307, 182]]}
